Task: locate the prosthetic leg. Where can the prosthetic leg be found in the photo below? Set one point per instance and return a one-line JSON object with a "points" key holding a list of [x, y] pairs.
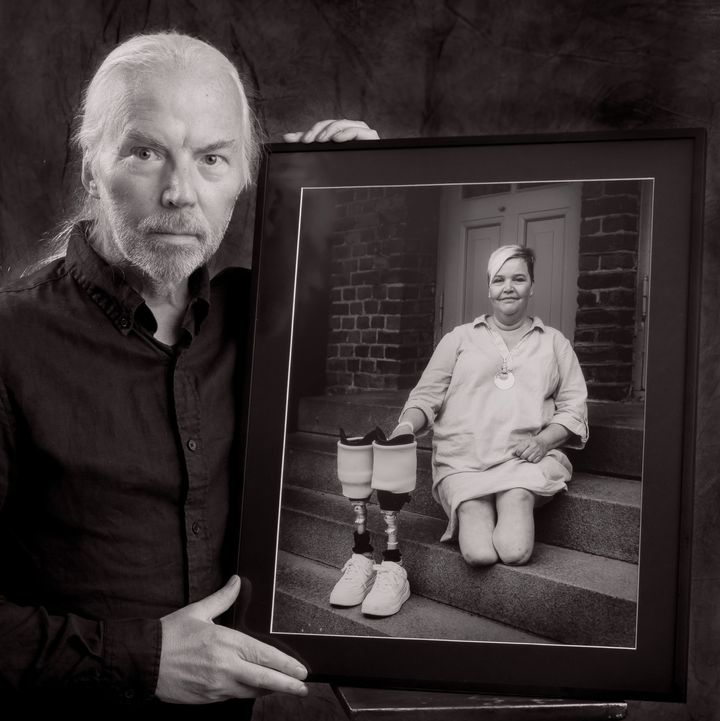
{"points": [[354, 467], [393, 477]]}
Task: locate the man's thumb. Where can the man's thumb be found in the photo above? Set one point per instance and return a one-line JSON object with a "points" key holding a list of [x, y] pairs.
{"points": [[216, 603]]}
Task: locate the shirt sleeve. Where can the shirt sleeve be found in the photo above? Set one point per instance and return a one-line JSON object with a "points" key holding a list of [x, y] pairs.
{"points": [[429, 393], [570, 395], [112, 660]]}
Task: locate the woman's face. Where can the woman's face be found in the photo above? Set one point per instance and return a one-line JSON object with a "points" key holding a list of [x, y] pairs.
{"points": [[510, 290]]}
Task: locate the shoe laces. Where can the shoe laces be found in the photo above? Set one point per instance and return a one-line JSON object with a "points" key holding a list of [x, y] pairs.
{"points": [[387, 576], [352, 569]]}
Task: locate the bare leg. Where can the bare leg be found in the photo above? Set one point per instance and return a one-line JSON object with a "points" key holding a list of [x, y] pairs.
{"points": [[514, 535], [476, 521]]}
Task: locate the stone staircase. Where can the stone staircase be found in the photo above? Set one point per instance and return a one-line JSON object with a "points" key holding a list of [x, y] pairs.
{"points": [[580, 586]]}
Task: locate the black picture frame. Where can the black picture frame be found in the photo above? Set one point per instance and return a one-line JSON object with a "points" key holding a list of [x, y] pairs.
{"points": [[292, 250]]}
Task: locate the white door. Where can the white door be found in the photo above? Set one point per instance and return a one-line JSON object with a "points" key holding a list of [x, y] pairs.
{"points": [[544, 217]]}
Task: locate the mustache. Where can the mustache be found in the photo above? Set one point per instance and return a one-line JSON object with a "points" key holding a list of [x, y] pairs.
{"points": [[174, 224]]}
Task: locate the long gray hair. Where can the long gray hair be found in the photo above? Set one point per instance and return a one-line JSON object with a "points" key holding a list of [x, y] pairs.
{"points": [[101, 102]]}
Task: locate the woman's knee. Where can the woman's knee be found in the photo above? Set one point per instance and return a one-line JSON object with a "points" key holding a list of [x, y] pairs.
{"points": [[513, 551], [479, 556]]}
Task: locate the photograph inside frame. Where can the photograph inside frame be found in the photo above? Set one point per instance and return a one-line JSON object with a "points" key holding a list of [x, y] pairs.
{"points": [[389, 530]]}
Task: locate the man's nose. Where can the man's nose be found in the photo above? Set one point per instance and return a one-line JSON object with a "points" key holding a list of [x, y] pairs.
{"points": [[179, 191]]}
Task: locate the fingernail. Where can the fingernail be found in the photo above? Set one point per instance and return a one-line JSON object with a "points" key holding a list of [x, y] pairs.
{"points": [[301, 671]]}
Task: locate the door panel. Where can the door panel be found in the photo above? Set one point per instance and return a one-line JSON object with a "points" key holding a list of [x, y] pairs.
{"points": [[546, 218]]}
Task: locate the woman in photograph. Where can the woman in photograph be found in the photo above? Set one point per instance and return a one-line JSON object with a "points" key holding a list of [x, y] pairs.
{"points": [[501, 395]]}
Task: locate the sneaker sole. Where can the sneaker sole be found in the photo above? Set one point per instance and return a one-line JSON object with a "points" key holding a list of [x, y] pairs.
{"points": [[351, 603], [394, 609]]}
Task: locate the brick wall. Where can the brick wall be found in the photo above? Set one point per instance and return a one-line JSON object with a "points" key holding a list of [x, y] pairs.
{"points": [[607, 287], [383, 269]]}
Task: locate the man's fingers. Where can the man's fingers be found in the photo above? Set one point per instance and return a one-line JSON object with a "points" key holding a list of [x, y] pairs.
{"points": [[335, 130], [216, 603], [268, 679], [264, 655]]}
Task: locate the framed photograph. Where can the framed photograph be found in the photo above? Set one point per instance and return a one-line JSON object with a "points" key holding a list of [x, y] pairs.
{"points": [[366, 256]]}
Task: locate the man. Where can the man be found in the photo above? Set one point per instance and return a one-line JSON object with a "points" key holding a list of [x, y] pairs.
{"points": [[118, 463]]}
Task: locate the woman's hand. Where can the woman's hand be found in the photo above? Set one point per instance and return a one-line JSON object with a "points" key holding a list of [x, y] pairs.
{"points": [[337, 131], [535, 448], [531, 449]]}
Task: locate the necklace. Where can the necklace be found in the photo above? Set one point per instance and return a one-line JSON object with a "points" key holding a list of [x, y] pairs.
{"points": [[504, 379]]}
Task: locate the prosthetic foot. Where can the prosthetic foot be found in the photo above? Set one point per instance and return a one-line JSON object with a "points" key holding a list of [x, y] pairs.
{"points": [[354, 464]]}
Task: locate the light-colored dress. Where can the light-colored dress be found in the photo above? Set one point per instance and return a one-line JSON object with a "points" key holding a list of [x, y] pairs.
{"points": [[477, 425]]}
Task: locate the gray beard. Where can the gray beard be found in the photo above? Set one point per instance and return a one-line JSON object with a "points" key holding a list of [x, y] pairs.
{"points": [[162, 262]]}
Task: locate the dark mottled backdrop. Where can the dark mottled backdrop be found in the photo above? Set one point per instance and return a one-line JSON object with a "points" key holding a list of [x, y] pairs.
{"points": [[410, 68]]}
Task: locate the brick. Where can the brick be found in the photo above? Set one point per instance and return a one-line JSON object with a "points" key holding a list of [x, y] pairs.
{"points": [[601, 316], [393, 322], [336, 322], [339, 308], [606, 279], [620, 336], [593, 189], [348, 293], [356, 307], [362, 351], [392, 352], [353, 365], [363, 292], [337, 364], [377, 321], [589, 262], [586, 299], [377, 351], [367, 366], [622, 187], [608, 373], [612, 223], [362, 322], [622, 298], [365, 277], [390, 307], [603, 354], [388, 366], [358, 250], [590, 226], [354, 336], [609, 392], [387, 337], [336, 294], [584, 336], [370, 307], [346, 351], [369, 336], [608, 243], [615, 261], [610, 205], [365, 264], [340, 252]]}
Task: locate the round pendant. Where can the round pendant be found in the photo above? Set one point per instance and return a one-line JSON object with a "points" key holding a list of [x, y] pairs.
{"points": [[504, 380]]}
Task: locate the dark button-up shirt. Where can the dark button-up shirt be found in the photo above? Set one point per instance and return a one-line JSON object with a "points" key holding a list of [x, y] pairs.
{"points": [[117, 470]]}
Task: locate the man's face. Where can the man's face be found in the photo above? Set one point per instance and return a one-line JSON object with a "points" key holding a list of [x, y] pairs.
{"points": [[168, 178]]}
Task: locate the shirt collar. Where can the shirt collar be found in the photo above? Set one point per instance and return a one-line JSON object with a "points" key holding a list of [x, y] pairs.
{"points": [[122, 304], [483, 320]]}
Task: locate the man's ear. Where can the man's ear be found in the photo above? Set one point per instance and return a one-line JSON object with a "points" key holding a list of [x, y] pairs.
{"points": [[87, 179]]}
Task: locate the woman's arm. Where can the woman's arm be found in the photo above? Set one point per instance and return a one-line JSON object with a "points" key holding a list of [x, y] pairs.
{"points": [[426, 399]]}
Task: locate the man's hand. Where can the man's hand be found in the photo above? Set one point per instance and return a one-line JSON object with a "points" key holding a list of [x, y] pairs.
{"points": [[337, 131], [203, 663]]}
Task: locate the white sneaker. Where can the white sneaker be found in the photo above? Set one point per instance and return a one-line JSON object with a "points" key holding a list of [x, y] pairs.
{"points": [[390, 591], [357, 578]]}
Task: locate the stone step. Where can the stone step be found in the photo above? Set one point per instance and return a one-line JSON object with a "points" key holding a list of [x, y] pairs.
{"points": [[598, 514], [301, 605], [569, 596], [616, 429]]}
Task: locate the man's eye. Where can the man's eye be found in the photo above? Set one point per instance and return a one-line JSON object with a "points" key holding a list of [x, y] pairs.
{"points": [[211, 159], [143, 153]]}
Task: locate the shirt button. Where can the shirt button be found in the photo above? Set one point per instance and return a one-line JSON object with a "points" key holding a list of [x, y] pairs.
{"points": [[124, 322], [192, 444], [129, 694], [196, 527]]}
